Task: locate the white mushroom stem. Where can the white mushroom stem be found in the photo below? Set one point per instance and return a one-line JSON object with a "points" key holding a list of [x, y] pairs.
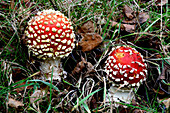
{"points": [[119, 95], [52, 67]]}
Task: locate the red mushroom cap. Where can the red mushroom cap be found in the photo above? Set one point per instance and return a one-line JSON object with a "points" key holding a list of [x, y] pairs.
{"points": [[125, 65], [50, 34]]}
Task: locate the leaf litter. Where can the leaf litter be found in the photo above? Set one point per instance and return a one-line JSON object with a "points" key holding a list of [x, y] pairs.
{"points": [[84, 76], [90, 39], [14, 103]]}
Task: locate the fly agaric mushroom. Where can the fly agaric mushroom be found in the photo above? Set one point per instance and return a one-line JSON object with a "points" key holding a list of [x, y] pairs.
{"points": [[125, 68], [50, 37]]}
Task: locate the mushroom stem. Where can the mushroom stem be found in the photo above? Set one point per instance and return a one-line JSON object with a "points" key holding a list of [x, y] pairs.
{"points": [[119, 95], [52, 67], [50, 37]]}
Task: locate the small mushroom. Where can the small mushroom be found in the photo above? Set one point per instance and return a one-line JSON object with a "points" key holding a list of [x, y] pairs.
{"points": [[126, 69], [50, 37]]}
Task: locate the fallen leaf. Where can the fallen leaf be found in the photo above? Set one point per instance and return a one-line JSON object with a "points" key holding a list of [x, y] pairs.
{"points": [[14, 103], [90, 41], [38, 94], [83, 65], [167, 103], [129, 28], [128, 12], [122, 27], [143, 17], [133, 21], [87, 27]]}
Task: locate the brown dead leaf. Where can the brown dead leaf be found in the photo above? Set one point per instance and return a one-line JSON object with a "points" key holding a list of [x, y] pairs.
{"points": [[14, 103], [128, 12], [87, 27], [159, 91], [122, 27], [133, 21], [38, 94], [167, 103], [90, 41], [129, 28], [83, 65], [143, 17]]}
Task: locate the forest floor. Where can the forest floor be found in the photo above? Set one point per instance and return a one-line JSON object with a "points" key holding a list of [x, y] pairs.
{"points": [[99, 25]]}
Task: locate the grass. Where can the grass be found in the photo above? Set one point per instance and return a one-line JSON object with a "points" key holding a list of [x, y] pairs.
{"points": [[19, 71]]}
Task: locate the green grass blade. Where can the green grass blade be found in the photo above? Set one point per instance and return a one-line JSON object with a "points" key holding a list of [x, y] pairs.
{"points": [[47, 83], [82, 101]]}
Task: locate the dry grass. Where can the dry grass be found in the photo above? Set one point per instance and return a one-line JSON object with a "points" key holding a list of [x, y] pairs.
{"points": [[83, 90]]}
